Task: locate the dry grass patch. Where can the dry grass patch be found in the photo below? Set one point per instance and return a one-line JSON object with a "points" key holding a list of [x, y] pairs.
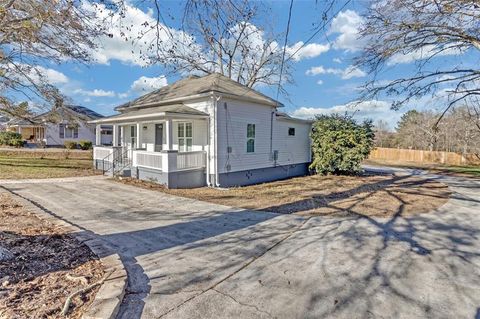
{"points": [[368, 195], [45, 164], [469, 171], [48, 266]]}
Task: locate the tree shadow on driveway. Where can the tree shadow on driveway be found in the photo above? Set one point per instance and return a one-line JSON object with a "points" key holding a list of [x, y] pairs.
{"points": [[334, 266], [184, 256]]}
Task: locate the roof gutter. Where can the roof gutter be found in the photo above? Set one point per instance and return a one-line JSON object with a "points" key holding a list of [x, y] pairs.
{"points": [[179, 99], [145, 116], [197, 96]]}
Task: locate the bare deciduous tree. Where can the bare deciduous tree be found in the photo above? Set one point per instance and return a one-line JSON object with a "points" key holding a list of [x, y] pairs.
{"points": [[229, 37], [33, 32], [424, 29]]}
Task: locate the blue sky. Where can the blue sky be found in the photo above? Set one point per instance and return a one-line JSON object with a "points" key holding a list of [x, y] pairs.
{"points": [[325, 80]]}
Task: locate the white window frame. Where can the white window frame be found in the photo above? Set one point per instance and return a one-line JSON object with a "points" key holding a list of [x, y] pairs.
{"points": [[183, 146], [251, 138], [68, 131]]}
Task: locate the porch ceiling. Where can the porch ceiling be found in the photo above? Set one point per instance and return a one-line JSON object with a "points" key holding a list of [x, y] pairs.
{"points": [[151, 113]]}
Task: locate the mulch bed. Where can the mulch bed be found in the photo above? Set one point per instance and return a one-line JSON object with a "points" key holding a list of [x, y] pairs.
{"points": [[47, 267]]}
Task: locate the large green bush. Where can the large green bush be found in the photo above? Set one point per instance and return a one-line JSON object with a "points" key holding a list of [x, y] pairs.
{"points": [[340, 144], [85, 144], [11, 139]]}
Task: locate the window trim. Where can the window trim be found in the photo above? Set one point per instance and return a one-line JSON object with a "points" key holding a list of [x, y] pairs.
{"points": [[184, 138], [251, 138], [64, 128]]}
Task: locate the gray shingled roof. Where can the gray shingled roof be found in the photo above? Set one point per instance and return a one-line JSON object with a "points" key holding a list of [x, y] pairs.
{"points": [[194, 85], [149, 112], [288, 117], [67, 112]]}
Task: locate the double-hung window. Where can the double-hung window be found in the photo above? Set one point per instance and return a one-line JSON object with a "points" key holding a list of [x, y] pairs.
{"points": [[68, 131], [133, 136], [185, 137], [250, 138]]}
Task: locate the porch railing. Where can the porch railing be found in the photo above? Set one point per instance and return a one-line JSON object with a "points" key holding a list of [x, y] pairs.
{"points": [[147, 159], [100, 153], [174, 161], [190, 160]]}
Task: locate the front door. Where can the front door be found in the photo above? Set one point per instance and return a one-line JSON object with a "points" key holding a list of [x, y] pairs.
{"points": [[158, 137]]}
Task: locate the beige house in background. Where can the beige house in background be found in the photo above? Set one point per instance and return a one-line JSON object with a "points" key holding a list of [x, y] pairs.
{"points": [[54, 128]]}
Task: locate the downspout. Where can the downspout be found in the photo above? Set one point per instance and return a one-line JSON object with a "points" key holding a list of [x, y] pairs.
{"points": [[271, 138], [215, 112], [208, 154]]}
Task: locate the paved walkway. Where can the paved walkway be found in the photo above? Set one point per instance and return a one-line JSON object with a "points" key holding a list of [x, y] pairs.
{"points": [[190, 259]]}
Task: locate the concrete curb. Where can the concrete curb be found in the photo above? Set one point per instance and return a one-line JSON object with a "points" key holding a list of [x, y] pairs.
{"points": [[110, 295]]}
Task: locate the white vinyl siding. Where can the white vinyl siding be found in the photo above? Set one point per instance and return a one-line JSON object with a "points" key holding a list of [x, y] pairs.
{"points": [[250, 138], [232, 133], [292, 149], [82, 132], [199, 139]]}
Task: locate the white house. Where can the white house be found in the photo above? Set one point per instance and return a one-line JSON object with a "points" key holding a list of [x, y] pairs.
{"points": [[202, 131], [53, 128]]}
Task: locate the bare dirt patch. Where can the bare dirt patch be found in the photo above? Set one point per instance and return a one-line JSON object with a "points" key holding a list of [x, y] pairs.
{"points": [[48, 266], [367, 195]]}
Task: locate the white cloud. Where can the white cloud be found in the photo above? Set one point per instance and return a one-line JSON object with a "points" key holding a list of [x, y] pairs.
{"points": [[123, 95], [129, 39], [95, 93], [39, 74], [315, 70], [319, 82], [348, 73], [421, 54], [373, 109], [337, 60], [352, 72], [347, 24], [53, 76], [145, 84], [311, 50]]}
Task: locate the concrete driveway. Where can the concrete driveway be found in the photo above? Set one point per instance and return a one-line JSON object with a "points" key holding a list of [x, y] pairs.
{"points": [[190, 259]]}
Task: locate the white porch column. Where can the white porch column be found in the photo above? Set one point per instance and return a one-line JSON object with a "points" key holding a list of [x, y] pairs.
{"points": [[169, 133], [115, 135], [98, 135], [122, 135], [139, 135]]}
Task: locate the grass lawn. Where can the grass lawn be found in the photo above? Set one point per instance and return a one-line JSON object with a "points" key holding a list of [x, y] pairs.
{"points": [[367, 195], [21, 164], [464, 171]]}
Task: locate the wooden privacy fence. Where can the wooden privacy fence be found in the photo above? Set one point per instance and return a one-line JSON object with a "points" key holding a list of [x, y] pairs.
{"points": [[427, 157]]}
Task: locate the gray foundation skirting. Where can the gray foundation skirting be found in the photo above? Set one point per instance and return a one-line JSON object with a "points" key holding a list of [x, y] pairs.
{"points": [[196, 177], [262, 175], [179, 179]]}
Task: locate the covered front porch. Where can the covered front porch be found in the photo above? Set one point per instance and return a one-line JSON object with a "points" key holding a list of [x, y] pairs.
{"points": [[169, 148], [30, 133]]}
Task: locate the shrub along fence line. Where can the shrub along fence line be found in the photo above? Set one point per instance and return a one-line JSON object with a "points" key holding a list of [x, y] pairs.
{"points": [[426, 157]]}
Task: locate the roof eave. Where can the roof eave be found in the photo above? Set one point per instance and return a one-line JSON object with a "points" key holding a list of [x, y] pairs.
{"points": [[164, 102], [197, 96], [146, 117]]}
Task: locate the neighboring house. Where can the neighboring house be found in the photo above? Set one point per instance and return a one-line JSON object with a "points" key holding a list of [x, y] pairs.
{"points": [[202, 131], [3, 122], [54, 128]]}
